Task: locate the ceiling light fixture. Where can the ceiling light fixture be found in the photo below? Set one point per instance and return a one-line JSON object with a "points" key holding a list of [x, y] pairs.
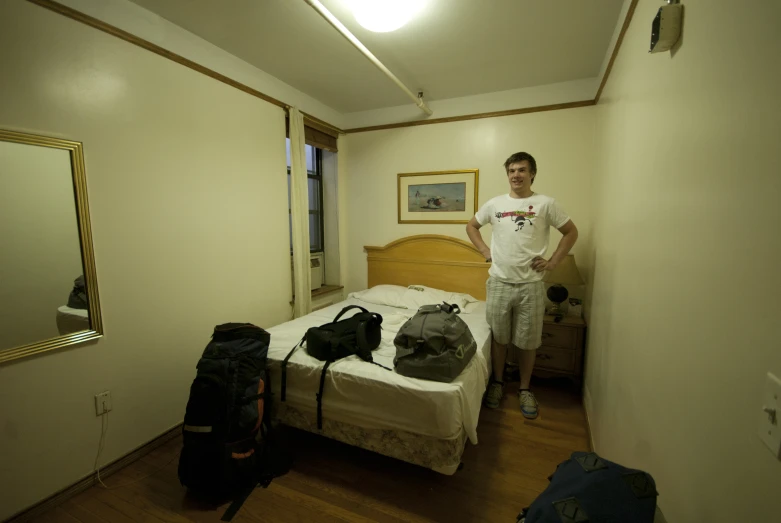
{"points": [[383, 16], [339, 26]]}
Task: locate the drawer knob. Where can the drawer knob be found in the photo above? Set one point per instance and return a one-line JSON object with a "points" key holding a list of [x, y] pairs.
{"points": [[543, 356], [546, 335]]}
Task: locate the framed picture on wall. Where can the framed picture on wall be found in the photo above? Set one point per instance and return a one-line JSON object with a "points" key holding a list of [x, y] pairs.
{"points": [[438, 197]]}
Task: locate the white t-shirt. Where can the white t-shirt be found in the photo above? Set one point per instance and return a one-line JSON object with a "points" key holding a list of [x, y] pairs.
{"points": [[520, 228]]}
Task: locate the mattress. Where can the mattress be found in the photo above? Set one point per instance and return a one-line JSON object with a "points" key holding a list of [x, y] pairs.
{"points": [[365, 395]]}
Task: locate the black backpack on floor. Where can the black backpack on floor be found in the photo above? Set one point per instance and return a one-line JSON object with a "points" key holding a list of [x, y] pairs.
{"points": [[589, 489], [227, 433], [359, 334]]}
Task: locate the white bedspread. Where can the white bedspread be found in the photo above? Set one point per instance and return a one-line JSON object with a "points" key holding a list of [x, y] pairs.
{"points": [[365, 395]]}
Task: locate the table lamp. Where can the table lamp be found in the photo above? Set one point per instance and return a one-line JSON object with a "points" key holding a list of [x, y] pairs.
{"points": [[566, 273]]}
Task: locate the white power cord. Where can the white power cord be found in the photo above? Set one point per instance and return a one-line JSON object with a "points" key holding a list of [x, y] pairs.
{"points": [[101, 444]]}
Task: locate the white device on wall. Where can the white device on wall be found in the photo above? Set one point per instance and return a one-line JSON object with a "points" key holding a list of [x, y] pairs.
{"points": [[316, 266], [666, 27]]}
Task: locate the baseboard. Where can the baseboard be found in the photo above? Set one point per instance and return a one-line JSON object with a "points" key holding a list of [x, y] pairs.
{"points": [[587, 405], [91, 479]]}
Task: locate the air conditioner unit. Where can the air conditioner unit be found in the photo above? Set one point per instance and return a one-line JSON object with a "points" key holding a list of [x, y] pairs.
{"points": [[316, 266]]}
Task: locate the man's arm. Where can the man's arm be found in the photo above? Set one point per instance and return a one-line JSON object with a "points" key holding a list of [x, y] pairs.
{"points": [[473, 231], [569, 237]]}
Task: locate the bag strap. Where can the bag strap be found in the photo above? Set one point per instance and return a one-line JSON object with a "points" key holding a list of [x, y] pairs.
{"points": [[238, 501], [349, 307], [320, 396], [283, 382], [450, 308], [381, 365], [267, 401]]}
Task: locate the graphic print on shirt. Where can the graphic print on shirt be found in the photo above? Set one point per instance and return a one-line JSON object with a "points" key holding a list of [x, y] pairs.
{"points": [[519, 217]]}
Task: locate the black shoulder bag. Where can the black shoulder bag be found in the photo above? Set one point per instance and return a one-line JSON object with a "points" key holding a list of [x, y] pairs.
{"points": [[359, 334]]}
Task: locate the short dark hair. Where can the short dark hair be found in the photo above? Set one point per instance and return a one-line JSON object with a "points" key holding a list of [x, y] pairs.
{"points": [[519, 157]]}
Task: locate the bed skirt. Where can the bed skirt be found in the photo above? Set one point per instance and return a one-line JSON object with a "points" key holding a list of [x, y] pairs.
{"points": [[440, 455]]}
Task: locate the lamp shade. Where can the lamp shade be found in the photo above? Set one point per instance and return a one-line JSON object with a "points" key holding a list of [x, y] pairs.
{"points": [[566, 273]]}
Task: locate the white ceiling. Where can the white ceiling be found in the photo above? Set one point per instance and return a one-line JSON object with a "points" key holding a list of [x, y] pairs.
{"points": [[454, 48]]}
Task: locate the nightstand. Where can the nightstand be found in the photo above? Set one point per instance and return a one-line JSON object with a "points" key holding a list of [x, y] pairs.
{"points": [[562, 348]]}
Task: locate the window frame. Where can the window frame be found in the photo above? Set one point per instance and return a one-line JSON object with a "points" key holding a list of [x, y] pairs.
{"points": [[317, 174]]}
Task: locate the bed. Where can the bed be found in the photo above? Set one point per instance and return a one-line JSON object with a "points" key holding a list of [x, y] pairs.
{"points": [[72, 320], [419, 421]]}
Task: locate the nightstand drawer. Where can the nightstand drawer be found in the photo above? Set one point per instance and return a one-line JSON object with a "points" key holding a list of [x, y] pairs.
{"points": [[552, 358], [557, 336]]}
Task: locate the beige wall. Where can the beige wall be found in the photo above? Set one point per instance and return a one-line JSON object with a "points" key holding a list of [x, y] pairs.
{"points": [[560, 141], [332, 274], [189, 212], [684, 321], [138, 21], [39, 241], [342, 208]]}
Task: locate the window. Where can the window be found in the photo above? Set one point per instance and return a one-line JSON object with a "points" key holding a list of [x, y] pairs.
{"points": [[314, 171]]}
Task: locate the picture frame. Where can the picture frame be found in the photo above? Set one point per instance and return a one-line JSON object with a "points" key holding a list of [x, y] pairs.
{"points": [[438, 196]]}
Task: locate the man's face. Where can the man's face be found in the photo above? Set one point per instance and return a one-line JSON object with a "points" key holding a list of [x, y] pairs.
{"points": [[520, 176]]}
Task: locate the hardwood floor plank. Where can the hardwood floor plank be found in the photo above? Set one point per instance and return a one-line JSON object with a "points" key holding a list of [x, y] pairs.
{"points": [[134, 511], [90, 501], [309, 502], [151, 502], [345, 496], [57, 515], [77, 511]]}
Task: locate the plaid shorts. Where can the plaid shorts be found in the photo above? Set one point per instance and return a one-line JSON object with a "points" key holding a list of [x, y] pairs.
{"points": [[515, 312]]}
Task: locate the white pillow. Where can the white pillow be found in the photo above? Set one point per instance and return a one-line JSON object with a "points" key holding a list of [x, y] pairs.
{"points": [[391, 295], [419, 295]]}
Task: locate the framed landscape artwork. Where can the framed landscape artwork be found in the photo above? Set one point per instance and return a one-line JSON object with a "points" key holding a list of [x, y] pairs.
{"points": [[438, 197]]}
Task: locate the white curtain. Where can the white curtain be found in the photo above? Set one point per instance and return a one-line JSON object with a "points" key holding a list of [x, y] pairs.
{"points": [[299, 210]]}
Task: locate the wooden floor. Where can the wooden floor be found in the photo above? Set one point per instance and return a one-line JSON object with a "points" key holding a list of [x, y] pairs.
{"points": [[333, 482]]}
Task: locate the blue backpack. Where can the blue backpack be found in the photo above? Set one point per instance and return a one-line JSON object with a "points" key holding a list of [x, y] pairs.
{"points": [[589, 489]]}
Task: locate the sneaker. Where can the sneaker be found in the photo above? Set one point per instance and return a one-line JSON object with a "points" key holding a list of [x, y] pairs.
{"points": [[493, 395], [528, 404]]}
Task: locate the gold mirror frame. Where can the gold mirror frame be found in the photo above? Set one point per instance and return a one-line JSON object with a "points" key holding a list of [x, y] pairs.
{"points": [[87, 255]]}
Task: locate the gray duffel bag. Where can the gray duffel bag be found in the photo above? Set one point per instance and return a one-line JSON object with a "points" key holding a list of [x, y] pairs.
{"points": [[435, 344]]}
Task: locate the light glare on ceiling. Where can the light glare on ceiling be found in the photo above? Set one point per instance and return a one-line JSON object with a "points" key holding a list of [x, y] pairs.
{"points": [[382, 16]]}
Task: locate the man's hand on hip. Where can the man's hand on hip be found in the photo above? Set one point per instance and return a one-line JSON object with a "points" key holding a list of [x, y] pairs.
{"points": [[540, 264]]}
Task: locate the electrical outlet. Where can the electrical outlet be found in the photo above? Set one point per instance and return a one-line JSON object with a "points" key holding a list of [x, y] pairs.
{"points": [[102, 403], [770, 417]]}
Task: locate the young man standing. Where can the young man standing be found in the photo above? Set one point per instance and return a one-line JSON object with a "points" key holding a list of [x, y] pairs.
{"points": [[520, 223]]}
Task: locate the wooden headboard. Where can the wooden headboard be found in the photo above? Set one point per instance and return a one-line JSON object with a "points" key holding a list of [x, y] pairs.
{"points": [[432, 260]]}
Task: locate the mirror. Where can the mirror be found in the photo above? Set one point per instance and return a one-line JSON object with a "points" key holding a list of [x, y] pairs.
{"points": [[48, 285]]}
